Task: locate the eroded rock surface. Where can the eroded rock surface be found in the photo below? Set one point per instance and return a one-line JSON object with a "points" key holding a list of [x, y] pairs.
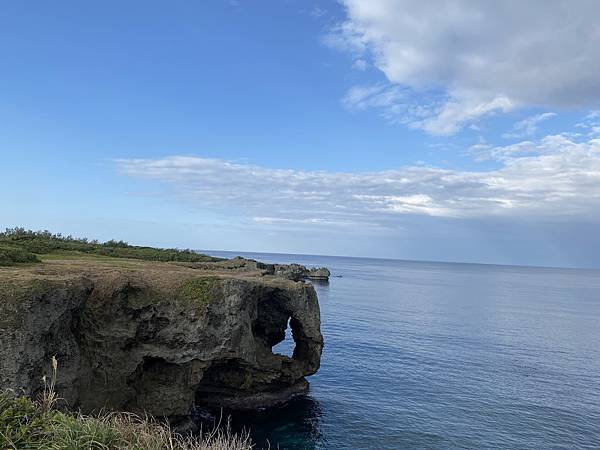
{"points": [[320, 273], [157, 337], [294, 272], [297, 272]]}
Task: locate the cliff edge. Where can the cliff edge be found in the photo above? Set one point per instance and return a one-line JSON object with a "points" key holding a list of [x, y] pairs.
{"points": [[157, 337]]}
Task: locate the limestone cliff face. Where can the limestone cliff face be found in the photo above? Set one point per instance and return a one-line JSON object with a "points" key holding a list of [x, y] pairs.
{"points": [[157, 337]]}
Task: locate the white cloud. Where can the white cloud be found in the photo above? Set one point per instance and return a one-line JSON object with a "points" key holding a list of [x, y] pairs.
{"points": [[360, 64], [397, 105], [553, 177], [450, 117], [549, 145], [318, 12], [528, 126], [591, 124], [390, 99], [478, 57], [593, 115]]}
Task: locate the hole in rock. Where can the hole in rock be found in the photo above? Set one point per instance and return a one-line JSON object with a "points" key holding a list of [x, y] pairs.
{"points": [[287, 346], [279, 330]]}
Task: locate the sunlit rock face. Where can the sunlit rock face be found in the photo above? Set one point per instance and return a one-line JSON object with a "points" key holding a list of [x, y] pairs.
{"points": [[157, 338]]}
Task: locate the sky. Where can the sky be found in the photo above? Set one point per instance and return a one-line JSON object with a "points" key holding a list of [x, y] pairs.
{"points": [[451, 130]]}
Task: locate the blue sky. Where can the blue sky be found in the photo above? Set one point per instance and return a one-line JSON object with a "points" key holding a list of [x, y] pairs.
{"points": [[461, 131]]}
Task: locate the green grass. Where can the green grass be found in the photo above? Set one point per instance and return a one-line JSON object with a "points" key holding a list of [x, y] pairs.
{"points": [[11, 255], [18, 245], [24, 424], [198, 292], [68, 255], [62, 255]]}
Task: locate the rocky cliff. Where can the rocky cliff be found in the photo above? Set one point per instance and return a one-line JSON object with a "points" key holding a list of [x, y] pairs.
{"points": [[157, 337]]}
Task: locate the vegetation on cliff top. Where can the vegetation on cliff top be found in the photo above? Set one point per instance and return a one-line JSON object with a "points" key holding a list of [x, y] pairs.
{"points": [[18, 245], [10, 255], [199, 291]]}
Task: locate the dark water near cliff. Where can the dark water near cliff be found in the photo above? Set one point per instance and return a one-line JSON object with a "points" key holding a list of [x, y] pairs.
{"points": [[437, 356]]}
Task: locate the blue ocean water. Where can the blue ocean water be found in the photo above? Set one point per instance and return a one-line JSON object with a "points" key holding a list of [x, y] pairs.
{"points": [[442, 356]]}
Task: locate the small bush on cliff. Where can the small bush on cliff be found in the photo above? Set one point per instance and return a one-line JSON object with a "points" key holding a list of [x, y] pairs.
{"points": [[32, 243], [14, 255], [198, 292]]}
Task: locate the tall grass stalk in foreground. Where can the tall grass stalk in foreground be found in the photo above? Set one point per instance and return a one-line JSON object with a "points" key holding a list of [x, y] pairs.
{"points": [[48, 398], [25, 424]]}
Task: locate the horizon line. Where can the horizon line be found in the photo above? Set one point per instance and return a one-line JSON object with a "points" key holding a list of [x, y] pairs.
{"points": [[424, 261]]}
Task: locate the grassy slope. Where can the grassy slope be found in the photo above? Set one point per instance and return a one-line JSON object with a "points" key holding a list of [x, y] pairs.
{"points": [[25, 424], [25, 246]]}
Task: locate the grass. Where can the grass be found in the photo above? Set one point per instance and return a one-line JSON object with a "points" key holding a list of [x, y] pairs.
{"points": [[11, 255], [18, 245], [48, 397], [198, 292], [62, 255], [27, 424]]}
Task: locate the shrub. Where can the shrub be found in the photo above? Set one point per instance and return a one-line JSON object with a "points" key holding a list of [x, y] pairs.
{"points": [[198, 292], [14, 255], [45, 242]]}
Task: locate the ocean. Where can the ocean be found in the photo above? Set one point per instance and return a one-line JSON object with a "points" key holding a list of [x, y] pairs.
{"points": [[423, 355]]}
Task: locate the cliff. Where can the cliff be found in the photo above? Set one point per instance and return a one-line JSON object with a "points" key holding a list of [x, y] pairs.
{"points": [[157, 337]]}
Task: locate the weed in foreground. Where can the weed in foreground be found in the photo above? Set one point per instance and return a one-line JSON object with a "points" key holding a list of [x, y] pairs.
{"points": [[25, 424]]}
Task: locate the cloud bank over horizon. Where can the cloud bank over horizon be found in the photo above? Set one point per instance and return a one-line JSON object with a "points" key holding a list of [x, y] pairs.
{"points": [[449, 63], [555, 177]]}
